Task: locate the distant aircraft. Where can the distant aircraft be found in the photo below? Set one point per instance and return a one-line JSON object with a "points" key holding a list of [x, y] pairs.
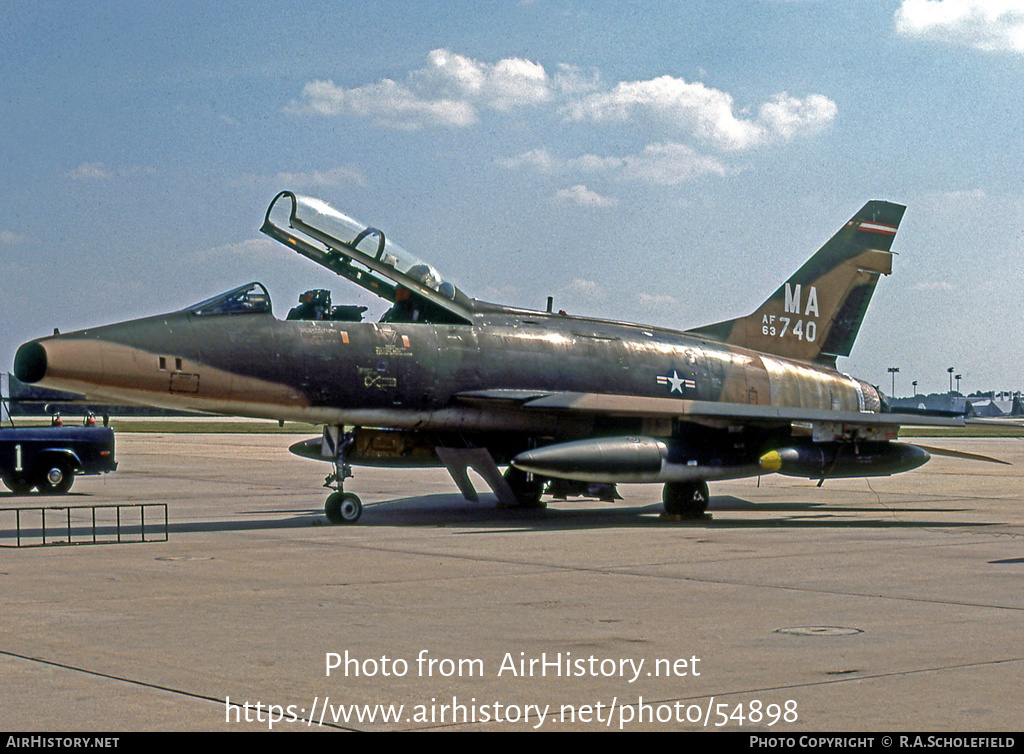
{"points": [[573, 405]]}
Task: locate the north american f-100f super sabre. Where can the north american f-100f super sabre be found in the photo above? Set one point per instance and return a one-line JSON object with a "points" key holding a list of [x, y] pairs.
{"points": [[572, 405]]}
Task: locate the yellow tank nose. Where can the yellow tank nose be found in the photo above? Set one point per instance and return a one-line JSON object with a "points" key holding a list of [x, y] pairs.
{"points": [[771, 461]]}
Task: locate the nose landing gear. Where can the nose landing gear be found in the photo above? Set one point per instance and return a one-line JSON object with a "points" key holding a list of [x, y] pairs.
{"points": [[341, 507]]}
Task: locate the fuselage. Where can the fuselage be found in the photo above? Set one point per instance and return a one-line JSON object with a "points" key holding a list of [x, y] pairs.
{"points": [[416, 376]]}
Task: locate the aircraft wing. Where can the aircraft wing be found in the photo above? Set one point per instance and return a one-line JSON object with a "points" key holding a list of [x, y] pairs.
{"points": [[678, 408]]}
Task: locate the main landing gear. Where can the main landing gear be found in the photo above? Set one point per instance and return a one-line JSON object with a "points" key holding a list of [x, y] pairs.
{"points": [[687, 499], [342, 507], [527, 488]]}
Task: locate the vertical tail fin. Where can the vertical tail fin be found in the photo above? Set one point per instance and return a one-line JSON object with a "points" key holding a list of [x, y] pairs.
{"points": [[816, 314]]}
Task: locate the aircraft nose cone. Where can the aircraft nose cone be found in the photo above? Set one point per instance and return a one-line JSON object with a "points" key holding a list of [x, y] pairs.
{"points": [[30, 362]]}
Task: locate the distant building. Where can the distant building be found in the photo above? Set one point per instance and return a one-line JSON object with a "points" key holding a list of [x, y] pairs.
{"points": [[977, 404]]}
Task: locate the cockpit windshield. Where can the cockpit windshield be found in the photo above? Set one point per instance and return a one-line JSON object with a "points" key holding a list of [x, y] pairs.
{"points": [[247, 299], [363, 255]]}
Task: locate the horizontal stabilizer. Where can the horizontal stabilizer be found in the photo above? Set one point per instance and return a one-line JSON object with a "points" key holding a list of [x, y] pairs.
{"points": [[961, 454]]}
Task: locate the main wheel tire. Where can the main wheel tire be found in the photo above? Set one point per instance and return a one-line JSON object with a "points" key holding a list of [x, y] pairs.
{"points": [[18, 486], [686, 498], [527, 491], [343, 508], [54, 476]]}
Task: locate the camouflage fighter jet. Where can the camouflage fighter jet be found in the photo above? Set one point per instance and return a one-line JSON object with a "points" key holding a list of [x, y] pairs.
{"points": [[572, 405]]}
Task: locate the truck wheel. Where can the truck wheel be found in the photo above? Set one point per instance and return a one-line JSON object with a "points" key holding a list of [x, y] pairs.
{"points": [[55, 477], [18, 486]]}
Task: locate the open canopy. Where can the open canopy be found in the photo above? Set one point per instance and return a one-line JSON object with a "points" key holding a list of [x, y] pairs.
{"points": [[363, 255]]}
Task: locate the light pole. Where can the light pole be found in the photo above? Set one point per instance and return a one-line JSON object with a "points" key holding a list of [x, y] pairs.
{"points": [[950, 370], [893, 371], [957, 378], [914, 383]]}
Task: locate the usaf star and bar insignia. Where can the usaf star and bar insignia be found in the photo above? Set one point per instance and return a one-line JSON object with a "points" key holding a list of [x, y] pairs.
{"points": [[676, 382]]}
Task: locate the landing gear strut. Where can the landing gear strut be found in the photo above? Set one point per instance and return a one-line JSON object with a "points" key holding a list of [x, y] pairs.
{"points": [[341, 507], [689, 499]]}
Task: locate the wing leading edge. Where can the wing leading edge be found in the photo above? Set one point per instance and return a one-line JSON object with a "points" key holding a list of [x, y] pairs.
{"points": [[680, 408]]}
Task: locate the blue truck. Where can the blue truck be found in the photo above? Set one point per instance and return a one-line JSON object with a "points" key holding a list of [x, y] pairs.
{"points": [[49, 458]]}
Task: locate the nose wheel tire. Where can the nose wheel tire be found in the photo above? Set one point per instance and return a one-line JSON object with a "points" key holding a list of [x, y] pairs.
{"points": [[343, 508], [686, 498]]}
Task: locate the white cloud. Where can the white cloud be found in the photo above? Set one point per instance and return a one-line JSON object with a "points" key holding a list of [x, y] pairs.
{"points": [[9, 237], [509, 82], [570, 80], [387, 103], [581, 196], [452, 91], [707, 113], [787, 117], [656, 300], [991, 25], [91, 171], [665, 164], [253, 249], [958, 199], [339, 176], [665, 306], [592, 163], [540, 160], [543, 161], [670, 164], [580, 288], [446, 92], [97, 171], [334, 177]]}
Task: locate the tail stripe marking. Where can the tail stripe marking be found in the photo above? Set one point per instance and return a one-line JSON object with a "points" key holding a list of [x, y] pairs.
{"points": [[887, 230]]}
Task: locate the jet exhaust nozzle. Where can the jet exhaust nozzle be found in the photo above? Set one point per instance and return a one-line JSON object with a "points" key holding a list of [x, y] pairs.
{"points": [[30, 362], [834, 460]]}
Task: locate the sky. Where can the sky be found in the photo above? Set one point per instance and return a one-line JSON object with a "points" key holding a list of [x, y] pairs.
{"points": [[669, 163]]}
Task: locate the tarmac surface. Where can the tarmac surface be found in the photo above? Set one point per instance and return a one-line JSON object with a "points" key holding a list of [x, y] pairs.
{"points": [[889, 604]]}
